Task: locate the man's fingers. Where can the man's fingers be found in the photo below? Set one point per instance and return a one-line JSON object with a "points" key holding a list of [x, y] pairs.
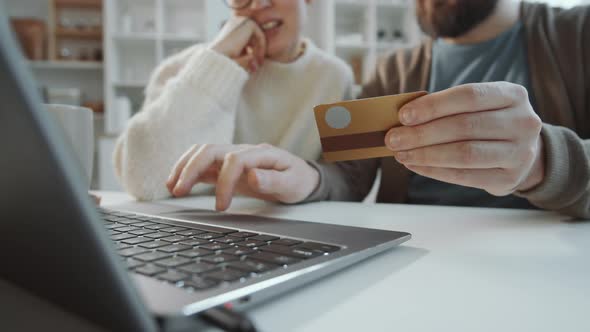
{"points": [[468, 154], [462, 127], [465, 98], [487, 179]]}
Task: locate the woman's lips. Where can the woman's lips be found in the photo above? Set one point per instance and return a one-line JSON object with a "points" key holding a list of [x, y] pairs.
{"points": [[271, 28]]}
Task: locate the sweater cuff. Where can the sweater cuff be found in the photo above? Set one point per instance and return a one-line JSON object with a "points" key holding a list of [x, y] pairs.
{"points": [[559, 181], [215, 75], [320, 192]]}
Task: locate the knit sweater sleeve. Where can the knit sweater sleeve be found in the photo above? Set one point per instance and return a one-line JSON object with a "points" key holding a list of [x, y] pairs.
{"points": [[190, 100], [566, 186]]}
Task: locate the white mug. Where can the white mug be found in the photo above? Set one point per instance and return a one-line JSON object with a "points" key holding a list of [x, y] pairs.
{"points": [[78, 125]]}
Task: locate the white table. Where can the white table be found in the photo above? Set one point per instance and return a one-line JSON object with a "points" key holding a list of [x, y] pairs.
{"points": [[466, 269]]}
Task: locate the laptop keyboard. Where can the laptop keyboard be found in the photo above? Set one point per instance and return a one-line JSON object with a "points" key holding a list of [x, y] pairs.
{"points": [[201, 257]]}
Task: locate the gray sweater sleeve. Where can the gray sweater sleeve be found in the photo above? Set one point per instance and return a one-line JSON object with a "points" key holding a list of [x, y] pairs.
{"points": [[566, 186], [344, 181]]}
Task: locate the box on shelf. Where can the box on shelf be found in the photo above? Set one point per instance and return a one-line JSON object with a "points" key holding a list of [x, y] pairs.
{"points": [[32, 35]]}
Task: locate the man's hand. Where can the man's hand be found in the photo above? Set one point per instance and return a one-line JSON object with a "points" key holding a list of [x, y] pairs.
{"points": [[261, 171], [242, 40], [483, 135]]}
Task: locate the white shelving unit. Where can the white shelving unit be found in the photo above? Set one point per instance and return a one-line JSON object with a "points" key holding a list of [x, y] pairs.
{"points": [[138, 35], [361, 31]]}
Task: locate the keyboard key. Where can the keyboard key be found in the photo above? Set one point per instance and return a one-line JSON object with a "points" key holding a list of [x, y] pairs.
{"points": [[142, 232], [219, 258], [154, 244], [144, 224], [172, 276], [157, 226], [274, 258], [194, 242], [198, 283], [197, 267], [173, 229], [172, 261], [295, 251], [137, 240], [125, 228], [286, 242], [158, 235], [208, 236], [149, 269], [174, 238], [191, 232], [226, 275], [229, 239], [215, 246], [194, 253], [151, 256], [132, 251], [244, 234], [112, 226], [174, 248], [126, 221], [120, 246], [239, 251], [320, 246], [251, 244], [264, 238], [112, 232], [123, 236], [252, 266], [215, 229], [133, 263]]}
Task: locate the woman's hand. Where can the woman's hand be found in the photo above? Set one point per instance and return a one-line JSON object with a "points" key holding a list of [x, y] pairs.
{"points": [[261, 171], [242, 40], [482, 135]]}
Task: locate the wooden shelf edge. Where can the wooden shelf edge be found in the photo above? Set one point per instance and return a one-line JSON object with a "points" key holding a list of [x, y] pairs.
{"points": [[78, 4]]}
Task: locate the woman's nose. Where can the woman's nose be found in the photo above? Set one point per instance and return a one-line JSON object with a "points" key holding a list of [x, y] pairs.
{"points": [[260, 4]]}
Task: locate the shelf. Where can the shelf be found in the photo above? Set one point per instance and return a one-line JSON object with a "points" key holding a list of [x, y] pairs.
{"points": [[78, 4], [391, 45], [351, 3], [182, 38], [392, 3], [148, 37], [130, 85], [78, 34], [69, 65], [353, 46]]}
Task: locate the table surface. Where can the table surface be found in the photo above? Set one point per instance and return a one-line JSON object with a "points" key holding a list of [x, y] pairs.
{"points": [[465, 269]]}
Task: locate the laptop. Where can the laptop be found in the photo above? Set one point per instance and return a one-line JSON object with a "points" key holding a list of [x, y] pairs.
{"points": [[138, 266]]}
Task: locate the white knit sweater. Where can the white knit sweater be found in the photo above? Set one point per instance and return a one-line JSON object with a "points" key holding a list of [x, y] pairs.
{"points": [[199, 96]]}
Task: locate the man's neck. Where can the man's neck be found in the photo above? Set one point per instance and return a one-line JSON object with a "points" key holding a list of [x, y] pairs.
{"points": [[505, 15]]}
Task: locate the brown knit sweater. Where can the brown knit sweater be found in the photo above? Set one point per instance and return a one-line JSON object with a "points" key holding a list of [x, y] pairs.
{"points": [[558, 44]]}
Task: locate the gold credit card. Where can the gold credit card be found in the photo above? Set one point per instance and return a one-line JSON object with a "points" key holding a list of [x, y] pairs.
{"points": [[355, 129]]}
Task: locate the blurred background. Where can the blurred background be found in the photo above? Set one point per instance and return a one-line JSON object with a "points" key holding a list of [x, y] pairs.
{"points": [[100, 53]]}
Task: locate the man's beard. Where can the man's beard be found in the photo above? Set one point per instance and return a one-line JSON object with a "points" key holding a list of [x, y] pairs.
{"points": [[447, 18]]}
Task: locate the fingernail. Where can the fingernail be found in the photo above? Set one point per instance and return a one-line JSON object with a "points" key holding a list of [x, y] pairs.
{"points": [[394, 141], [401, 156], [407, 115]]}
